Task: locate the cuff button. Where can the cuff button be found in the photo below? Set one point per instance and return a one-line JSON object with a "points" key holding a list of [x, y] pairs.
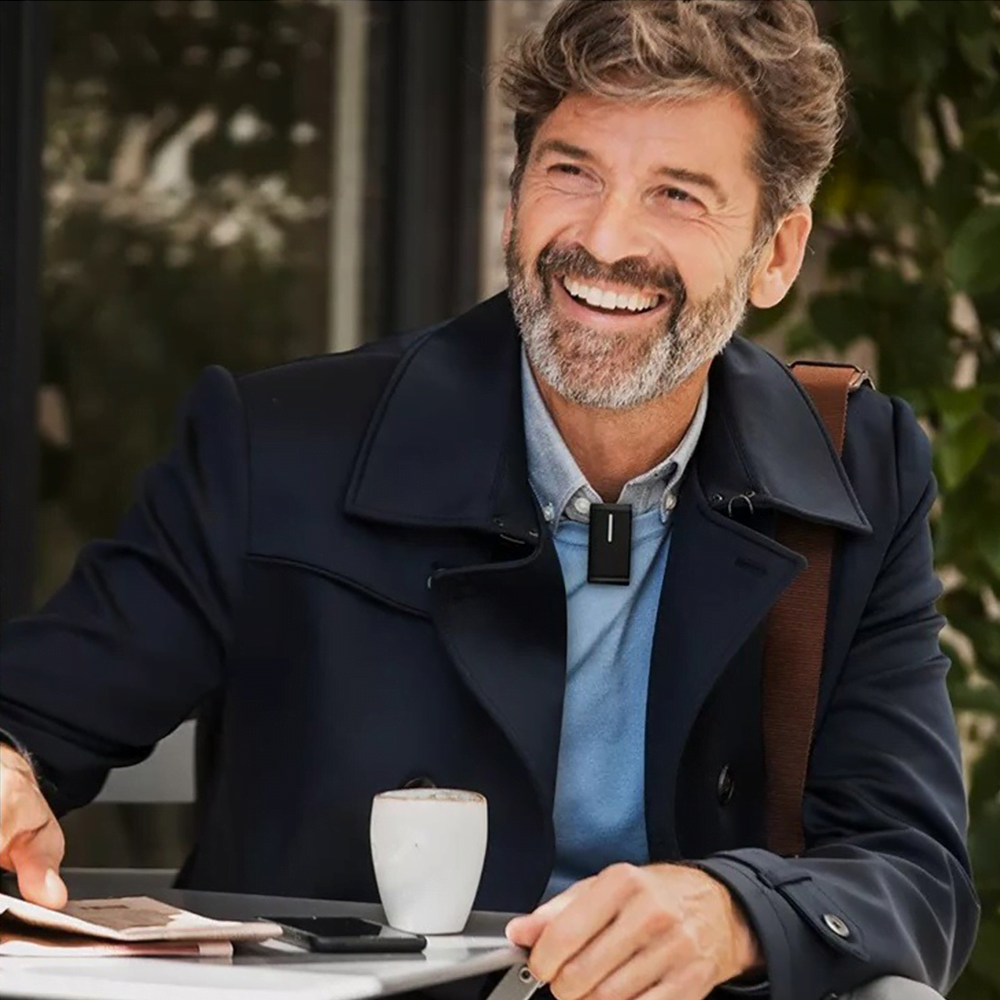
{"points": [[835, 924]]}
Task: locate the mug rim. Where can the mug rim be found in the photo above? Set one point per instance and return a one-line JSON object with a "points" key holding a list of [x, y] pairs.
{"points": [[458, 796]]}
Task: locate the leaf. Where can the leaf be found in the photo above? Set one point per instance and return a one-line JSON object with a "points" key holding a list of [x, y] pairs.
{"points": [[986, 955], [849, 253], [902, 9], [976, 699], [982, 140], [977, 38], [984, 835], [954, 194], [762, 321], [957, 406], [972, 257], [959, 451], [989, 547], [986, 779], [978, 51], [840, 318], [801, 339]]}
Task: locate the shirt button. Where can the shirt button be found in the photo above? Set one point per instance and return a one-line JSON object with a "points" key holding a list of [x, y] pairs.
{"points": [[581, 505], [835, 924], [669, 501], [549, 513]]}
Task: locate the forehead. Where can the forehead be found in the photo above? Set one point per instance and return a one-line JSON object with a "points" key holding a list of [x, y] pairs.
{"points": [[711, 135]]}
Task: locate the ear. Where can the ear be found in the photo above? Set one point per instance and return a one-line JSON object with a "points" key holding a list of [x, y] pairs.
{"points": [[782, 259], [508, 224]]}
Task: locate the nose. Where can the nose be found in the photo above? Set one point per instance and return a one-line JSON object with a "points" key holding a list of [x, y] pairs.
{"points": [[615, 230]]}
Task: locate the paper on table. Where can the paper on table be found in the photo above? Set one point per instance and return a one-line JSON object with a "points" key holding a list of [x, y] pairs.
{"points": [[133, 919], [48, 944]]}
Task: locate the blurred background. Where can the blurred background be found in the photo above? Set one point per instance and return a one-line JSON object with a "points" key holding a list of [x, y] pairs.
{"points": [[190, 182]]}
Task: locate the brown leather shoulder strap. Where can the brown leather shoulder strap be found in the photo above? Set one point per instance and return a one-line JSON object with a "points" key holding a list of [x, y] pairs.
{"points": [[796, 630]]}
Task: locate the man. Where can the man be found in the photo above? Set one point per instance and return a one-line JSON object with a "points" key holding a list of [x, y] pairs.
{"points": [[377, 567]]}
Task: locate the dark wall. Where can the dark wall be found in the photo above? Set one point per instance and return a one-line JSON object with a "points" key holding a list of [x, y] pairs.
{"points": [[22, 48]]}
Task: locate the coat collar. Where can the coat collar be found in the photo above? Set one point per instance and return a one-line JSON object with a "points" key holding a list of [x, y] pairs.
{"points": [[446, 447]]}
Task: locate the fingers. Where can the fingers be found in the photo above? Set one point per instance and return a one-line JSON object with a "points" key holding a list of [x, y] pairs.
{"points": [[526, 930], [36, 860], [31, 840], [628, 957], [588, 913], [683, 983]]}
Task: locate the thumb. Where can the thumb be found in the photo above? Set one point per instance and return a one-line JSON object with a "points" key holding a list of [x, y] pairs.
{"points": [[525, 931], [38, 873]]}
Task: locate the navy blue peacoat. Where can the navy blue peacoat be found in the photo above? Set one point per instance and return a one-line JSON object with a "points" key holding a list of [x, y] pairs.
{"points": [[343, 555]]}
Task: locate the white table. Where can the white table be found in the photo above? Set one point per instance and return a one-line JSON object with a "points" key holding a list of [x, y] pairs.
{"points": [[261, 972], [269, 975]]}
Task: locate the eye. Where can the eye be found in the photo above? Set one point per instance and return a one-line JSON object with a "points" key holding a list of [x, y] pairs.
{"points": [[571, 178], [680, 202]]}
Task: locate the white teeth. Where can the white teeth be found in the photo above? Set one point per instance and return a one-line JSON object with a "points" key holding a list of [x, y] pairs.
{"points": [[606, 299]]}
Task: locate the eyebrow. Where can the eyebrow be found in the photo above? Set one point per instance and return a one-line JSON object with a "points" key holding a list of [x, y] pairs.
{"points": [[695, 177]]}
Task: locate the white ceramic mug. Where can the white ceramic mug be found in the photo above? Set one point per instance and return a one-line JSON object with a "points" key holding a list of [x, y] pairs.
{"points": [[428, 846]]}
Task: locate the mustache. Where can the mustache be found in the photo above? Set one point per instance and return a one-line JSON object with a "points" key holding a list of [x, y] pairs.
{"points": [[637, 272]]}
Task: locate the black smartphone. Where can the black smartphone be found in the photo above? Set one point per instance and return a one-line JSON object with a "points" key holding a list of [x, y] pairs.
{"points": [[347, 935]]}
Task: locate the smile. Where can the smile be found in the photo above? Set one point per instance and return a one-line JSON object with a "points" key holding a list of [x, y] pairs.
{"points": [[609, 299]]}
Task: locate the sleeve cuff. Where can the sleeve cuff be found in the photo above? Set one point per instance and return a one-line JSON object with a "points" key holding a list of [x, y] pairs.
{"points": [[760, 909], [15, 744]]}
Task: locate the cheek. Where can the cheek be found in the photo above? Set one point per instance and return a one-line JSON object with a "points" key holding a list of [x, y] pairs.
{"points": [[545, 215], [702, 258]]}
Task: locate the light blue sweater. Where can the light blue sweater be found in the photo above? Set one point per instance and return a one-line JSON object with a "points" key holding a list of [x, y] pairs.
{"points": [[599, 812]]}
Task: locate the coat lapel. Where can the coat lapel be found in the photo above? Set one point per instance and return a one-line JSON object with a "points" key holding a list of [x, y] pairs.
{"points": [[504, 627], [763, 449], [446, 450], [721, 580]]}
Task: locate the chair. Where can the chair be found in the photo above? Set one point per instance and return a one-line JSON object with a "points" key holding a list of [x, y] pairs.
{"points": [[167, 775]]}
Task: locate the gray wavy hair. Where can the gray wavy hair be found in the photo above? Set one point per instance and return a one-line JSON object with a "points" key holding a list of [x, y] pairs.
{"points": [[767, 51]]}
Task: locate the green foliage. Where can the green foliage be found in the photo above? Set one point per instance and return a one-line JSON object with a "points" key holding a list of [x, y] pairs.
{"points": [[909, 222]]}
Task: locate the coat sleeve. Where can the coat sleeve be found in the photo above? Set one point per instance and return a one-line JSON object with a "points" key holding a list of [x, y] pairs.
{"points": [[883, 886], [137, 636]]}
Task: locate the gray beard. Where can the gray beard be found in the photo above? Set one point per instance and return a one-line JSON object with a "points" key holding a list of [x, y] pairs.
{"points": [[620, 371]]}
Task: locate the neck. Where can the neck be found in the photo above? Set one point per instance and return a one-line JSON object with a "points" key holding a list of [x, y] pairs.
{"points": [[613, 446]]}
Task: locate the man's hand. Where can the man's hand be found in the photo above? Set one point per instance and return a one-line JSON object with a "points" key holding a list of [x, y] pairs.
{"points": [[662, 932], [31, 840]]}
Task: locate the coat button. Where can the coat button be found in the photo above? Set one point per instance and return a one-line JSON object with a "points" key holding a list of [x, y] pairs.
{"points": [[422, 782], [725, 785], [835, 924]]}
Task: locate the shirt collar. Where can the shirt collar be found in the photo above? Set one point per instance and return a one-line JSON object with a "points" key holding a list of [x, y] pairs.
{"points": [[560, 486]]}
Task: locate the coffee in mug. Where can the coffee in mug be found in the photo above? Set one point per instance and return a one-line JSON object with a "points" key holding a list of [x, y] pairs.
{"points": [[428, 847]]}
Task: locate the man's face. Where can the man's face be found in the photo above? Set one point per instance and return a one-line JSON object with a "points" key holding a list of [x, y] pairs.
{"points": [[630, 244]]}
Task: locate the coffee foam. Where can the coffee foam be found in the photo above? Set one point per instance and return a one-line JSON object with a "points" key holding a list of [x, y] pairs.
{"points": [[432, 795]]}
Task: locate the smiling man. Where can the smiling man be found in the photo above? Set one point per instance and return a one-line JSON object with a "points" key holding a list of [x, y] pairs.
{"points": [[533, 552]]}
